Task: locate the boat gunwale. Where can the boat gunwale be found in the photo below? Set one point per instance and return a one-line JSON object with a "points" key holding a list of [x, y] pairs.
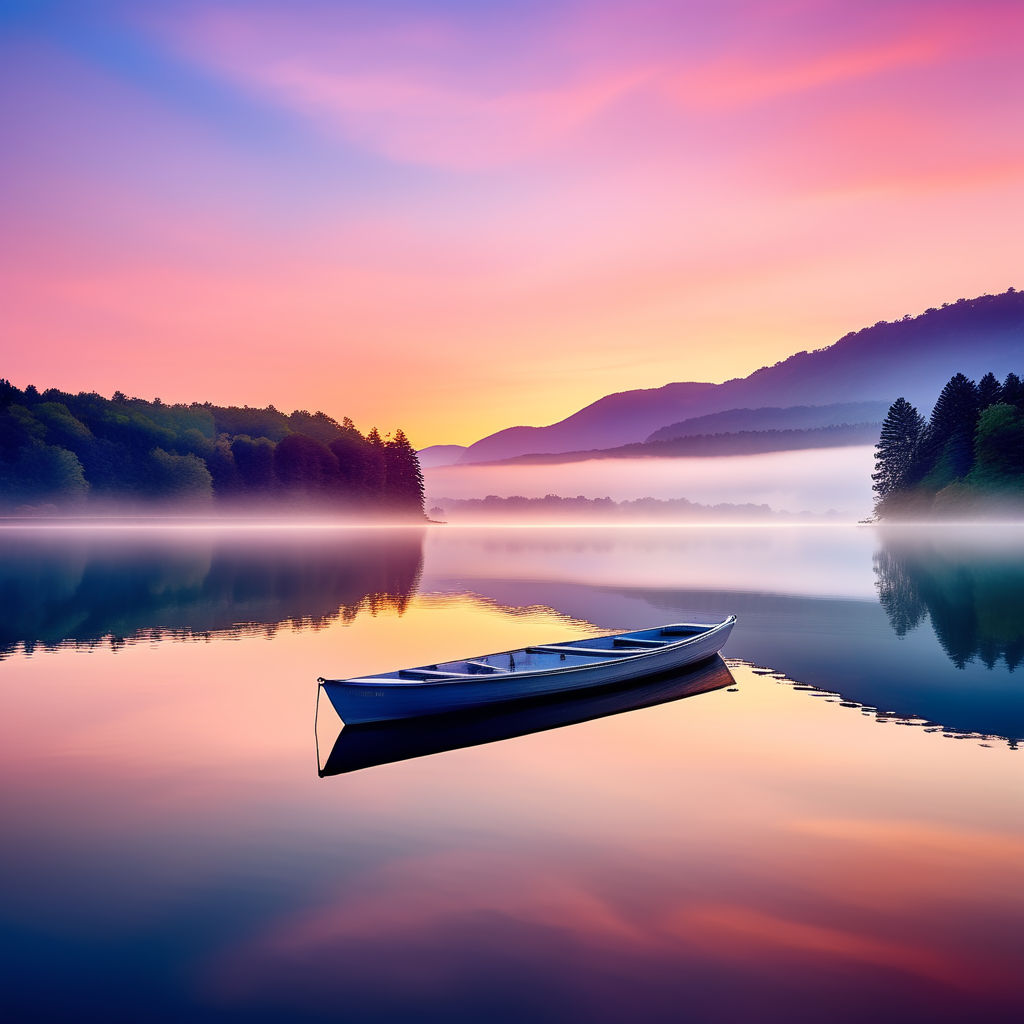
{"points": [[457, 679]]}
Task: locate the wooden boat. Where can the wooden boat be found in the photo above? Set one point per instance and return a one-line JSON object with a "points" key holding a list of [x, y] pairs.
{"points": [[530, 672], [364, 746]]}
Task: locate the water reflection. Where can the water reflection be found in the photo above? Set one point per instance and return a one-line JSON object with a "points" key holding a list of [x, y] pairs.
{"points": [[83, 587], [971, 591], [364, 746], [807, 602]]}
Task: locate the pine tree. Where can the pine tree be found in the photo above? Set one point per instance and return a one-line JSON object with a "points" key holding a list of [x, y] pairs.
{"points": [[897, 451], [376, 468], [990, 391], [1013, 391], [950, 437], [404, 476]]}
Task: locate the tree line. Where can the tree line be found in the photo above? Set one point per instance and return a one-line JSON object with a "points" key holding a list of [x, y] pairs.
{"points": [[967, 458], [68, 450], [554, 506]]}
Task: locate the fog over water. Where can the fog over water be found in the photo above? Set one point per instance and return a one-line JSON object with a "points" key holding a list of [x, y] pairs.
{"points": [[815, 480]]}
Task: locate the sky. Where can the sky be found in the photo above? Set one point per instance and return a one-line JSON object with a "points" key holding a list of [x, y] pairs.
{"points": [[458, 216]]}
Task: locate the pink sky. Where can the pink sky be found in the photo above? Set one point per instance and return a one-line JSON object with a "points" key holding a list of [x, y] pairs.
{"points": [[456, 217]]}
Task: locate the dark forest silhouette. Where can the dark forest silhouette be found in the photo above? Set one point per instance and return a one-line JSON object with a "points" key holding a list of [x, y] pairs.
{"points": [[966, 459], [96, 589], [972, 598], [64, 450]]}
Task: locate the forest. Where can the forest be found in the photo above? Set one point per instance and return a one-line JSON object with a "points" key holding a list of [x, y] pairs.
{"points": [[61, 451], [965, 460]]}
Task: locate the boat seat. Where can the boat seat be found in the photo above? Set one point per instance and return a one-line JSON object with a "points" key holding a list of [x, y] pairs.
{"points": [[622, 641], [605, 652], [483, 664]]}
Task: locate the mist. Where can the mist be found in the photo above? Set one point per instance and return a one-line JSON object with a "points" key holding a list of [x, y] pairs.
{"points": [[818, 480]]}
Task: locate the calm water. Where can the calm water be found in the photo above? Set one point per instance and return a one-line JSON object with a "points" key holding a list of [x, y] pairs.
{"points": [[830, 826]]}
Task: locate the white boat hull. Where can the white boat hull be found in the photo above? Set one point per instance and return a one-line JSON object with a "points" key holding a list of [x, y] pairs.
{"points": [[382, 699]]}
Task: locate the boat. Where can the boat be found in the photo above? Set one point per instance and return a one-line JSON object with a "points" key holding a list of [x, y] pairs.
{"points": [[541, 670], [365, 746]]}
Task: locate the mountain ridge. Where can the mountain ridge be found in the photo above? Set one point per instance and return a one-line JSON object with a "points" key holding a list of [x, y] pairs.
{"points": [[912, 356]]}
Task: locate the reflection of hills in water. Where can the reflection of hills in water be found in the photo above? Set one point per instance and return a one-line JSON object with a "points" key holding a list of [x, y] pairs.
{"points": [[58, 588], [843, 646], [972, 594], [364, 746]]}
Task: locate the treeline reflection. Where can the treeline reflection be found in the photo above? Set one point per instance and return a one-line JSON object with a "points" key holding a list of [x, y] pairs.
{"points": [[95, 589], [971, 594]]}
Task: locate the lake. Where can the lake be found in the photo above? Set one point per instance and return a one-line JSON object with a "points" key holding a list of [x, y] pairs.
{"points": [[828, 825]]}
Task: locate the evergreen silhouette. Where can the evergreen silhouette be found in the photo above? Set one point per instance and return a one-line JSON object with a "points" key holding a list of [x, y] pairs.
{"points": [[1013, 391], [950, 439], [990, 391], [898, 448]]}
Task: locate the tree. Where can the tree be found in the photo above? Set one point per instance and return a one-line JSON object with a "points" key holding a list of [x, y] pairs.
{"points": [[989, 391], [999, 447], [305, 465], [950, 438], [1013, 391], [43, 472], [376, 467], [179, 477], [254, 460], [898, 448], [404, 476]]}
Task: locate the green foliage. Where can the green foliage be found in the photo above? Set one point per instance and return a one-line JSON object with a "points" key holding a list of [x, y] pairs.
{"points": [[56, 448], [999, 448], [254, 460], [43, 473], [968, 460], [180, 477], [305, 466]]}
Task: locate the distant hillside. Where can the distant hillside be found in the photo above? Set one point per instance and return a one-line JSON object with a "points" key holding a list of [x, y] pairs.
{"points": [[913, 356], [744, 442], [554, 508], [444, 454], [796, 417]]}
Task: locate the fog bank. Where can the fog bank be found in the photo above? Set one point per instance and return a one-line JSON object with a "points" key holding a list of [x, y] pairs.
{"points": [[817, 480]]}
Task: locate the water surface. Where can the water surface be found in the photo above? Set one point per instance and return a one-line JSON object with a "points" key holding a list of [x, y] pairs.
{"points": [[833, 830]]}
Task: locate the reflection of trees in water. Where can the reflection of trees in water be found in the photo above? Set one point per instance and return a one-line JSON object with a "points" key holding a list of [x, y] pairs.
{"points": [[972, 595], [55, 589]]}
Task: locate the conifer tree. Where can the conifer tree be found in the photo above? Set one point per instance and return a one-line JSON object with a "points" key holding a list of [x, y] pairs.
{"points": [[898, 449], [1013, 391], [990, 391], [950, 438], [376, 467], [404, 476]]}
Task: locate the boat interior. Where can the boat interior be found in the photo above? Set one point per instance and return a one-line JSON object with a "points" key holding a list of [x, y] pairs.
{"points": [[549, 656]]}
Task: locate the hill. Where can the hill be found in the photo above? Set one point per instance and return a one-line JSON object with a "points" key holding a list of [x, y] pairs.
{"points": [[913, 356], [441, 454], [743, 442], [796, 417]]}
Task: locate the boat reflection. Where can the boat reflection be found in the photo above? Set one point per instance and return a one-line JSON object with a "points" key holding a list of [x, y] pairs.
{"points": [[365, 746]]}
